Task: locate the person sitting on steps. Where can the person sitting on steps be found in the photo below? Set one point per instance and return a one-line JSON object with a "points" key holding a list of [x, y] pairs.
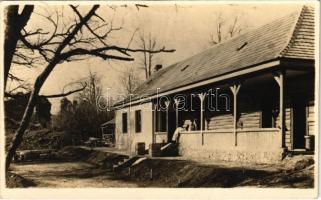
{"points": [[183, 126]]}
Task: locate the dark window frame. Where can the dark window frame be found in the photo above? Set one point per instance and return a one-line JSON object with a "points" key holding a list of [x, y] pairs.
{"points": [[138, 121], [125, 124], [161, 117]]}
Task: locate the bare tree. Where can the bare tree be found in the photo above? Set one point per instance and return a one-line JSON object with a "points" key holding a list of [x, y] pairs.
{"points": [[130, 80], [15, 23], [89, 113], [149, 44], [226, 27], [94, 88], [85, 36]]}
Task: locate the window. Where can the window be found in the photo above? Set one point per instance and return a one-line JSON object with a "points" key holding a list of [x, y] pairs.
{"points": [[124, 122], [160, 121], [138, 121]]}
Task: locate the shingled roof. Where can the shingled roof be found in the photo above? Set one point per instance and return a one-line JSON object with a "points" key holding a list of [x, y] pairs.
{"points": [[291, 36]]}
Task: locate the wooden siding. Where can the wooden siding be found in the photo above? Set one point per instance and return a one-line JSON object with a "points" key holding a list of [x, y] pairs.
{"points": [[310, 120], [288, 125], [250, 112], [250, 119], [223, 121]]}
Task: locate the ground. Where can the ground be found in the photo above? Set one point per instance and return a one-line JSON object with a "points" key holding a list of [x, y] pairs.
{"points": [[69, 175], [79, 167]]}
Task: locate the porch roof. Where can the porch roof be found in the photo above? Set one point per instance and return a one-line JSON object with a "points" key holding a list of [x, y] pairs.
{"points": [[108, 123], [291, 36]]}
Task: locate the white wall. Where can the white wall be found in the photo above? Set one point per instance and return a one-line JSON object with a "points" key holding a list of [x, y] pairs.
{"points": [[253, 145], [129, 140]]}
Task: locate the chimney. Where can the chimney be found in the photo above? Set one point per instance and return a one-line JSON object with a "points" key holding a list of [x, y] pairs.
{"points": [[158, 67]]}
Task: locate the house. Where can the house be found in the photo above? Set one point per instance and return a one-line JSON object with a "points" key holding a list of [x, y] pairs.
{"points": [[108, 132], [251, 97]]}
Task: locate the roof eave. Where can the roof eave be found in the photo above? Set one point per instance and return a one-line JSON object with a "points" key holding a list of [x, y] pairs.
{"points": [[250, 69]]}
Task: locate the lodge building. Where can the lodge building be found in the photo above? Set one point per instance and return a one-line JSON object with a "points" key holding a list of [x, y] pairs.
{"points": [[268, 77]]}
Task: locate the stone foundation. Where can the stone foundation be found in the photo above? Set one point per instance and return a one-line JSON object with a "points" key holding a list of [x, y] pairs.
{"points": [[238, 155], [253, 145]]}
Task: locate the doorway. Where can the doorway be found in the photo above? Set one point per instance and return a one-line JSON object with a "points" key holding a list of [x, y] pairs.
{"points": [[299, 123]]}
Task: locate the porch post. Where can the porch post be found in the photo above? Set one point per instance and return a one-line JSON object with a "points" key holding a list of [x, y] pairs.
{"points": [[235, 90], [167, 103], [154, 122], [279, 78], [202, 97], [176, 102]]}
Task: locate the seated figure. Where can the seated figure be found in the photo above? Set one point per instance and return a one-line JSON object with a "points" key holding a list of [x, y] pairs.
{"points": [[186, 126]]}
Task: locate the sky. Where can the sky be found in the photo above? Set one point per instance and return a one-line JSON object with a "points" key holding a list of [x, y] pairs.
{"points": [[184, 27]]}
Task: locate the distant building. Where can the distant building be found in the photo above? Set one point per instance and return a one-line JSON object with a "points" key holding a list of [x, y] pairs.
{"points": [[108, 132]]}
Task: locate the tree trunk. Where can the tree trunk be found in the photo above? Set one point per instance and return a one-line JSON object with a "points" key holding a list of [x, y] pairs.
{"points": [[149, 63], [22, 128], [28, 112], [11, 39], [145, 65], [14, 24], [41, 79]]}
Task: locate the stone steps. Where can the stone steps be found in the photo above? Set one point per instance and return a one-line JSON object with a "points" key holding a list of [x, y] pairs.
{"points": [[299, 152], [127, 162]]}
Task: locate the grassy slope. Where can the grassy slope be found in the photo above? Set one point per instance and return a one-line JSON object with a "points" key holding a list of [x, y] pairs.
{"points": [[174, 173]]}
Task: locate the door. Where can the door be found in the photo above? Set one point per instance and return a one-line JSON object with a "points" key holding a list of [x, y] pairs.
{"points": [[299, 123]]}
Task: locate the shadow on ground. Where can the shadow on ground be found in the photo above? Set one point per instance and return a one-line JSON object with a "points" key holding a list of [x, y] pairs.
{"points": [[88, 168], [173, 173]]}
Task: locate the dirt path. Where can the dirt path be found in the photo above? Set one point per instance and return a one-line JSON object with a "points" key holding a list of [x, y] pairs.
{"points": [[69, 175], [296, 172]]}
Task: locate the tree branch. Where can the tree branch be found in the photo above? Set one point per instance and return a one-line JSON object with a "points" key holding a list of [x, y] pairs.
{"points": [[140, 5], [80, 51], [64, 94], [7, 94], [99, 52], [100, 38], [77, 28]]}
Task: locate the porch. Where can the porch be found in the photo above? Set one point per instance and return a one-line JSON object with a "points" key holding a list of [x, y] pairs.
{"points": [[269, 113]]}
